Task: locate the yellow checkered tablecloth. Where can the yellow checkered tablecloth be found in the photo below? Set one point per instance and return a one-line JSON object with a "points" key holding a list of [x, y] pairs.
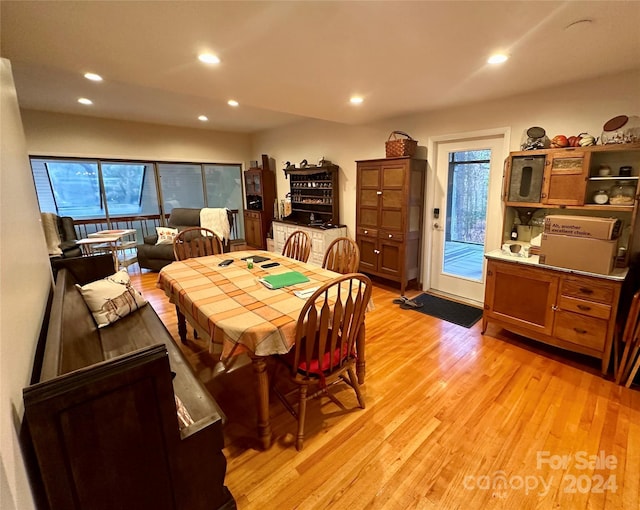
{"points": [[233, 306]]}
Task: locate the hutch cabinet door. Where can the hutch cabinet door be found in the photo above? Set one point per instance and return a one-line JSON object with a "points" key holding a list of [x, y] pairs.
{"points": [[391, 258], [253, 229], [368, 253], [521, 295], [369, 196], [394, 195], [567, 178]]}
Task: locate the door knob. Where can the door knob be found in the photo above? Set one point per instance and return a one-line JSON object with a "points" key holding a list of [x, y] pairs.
{"points": [[436, 226]]}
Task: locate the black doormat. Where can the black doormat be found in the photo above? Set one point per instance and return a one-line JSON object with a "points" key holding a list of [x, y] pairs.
{"points": [[445, 309]]}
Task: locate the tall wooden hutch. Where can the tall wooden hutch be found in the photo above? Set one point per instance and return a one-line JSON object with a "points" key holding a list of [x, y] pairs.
{"points": [[260, 196], [389, 207]]}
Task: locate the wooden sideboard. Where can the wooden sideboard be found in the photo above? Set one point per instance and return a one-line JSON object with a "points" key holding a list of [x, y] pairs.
{"points": [[571, 310]]}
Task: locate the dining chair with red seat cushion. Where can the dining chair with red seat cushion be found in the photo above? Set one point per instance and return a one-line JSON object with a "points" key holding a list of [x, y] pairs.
{"points": [[325, 343]]}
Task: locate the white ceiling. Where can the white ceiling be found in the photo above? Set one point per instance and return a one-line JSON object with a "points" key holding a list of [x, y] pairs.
{"points": [[289, 60]]}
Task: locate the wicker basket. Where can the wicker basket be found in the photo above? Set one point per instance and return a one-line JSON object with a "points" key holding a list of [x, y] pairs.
{"points": [[400, 146]]}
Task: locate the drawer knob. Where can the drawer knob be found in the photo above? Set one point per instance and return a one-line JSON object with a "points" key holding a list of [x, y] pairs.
{"points": [[378, 192], [376, 251], [584, 290], [580, 331], [584, 307], [366, 231], [390, 235]]}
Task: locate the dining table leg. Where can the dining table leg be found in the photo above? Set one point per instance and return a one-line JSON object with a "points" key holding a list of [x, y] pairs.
{"points": [[264, 423], [361, 363], [182, 326]]}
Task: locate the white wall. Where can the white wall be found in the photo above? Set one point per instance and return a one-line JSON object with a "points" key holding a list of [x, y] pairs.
{"points": [[55, 134], [569, 109], [25, 281]]}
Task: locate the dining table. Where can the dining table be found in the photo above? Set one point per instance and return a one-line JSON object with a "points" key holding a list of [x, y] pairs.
{"points": [[231, 306]]}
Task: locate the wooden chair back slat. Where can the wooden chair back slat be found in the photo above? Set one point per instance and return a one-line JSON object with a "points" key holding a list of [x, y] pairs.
{"points": [[297, 246], [196, 242], [342, 256]]}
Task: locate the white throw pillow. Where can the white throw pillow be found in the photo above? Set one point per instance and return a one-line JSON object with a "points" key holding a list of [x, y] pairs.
{"points": [[166, 235], [111, 298]]}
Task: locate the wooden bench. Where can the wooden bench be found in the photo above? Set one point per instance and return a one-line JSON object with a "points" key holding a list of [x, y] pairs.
{"points": [[103, 417]]}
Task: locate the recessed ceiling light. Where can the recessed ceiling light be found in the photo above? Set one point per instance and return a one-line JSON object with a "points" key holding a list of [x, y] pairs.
{"points": [[498, 58], [208, 58], [93, 76], [203, 118], [356, 100], [84, 100], [232, 102]]}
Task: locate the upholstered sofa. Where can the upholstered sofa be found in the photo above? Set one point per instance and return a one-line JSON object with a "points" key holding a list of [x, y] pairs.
{"points": [[155, 256]]}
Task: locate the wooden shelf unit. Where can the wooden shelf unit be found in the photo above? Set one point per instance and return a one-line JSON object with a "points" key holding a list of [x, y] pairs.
{"points": [[314, 191], [574, 310], [260, 196]]}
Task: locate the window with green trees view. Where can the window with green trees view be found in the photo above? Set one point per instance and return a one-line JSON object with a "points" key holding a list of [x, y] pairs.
{"points": [[95, 189], [467, 196]]}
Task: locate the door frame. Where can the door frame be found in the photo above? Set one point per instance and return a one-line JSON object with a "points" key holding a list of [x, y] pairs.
{"points": [[433, 145]]}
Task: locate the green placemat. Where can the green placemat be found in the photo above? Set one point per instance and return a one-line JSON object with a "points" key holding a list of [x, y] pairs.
{"points": [[277, 281]]}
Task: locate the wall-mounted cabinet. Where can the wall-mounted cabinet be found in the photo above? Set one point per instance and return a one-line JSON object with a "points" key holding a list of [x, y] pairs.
{"points": [[314, 194], [568, 177], [597, 181]]}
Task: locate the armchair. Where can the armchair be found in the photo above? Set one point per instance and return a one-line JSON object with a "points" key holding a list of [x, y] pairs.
{"points": [[155, 256], [60, 235]]}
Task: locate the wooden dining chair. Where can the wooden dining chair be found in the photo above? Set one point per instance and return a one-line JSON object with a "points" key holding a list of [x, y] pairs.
{"points": [[325, 344], [196, 242], [297, 246], [630, 338], [342, 256]]}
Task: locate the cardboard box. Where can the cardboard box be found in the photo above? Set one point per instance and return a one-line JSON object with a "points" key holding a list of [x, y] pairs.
{"points": [[594, 227], [580, 253]]}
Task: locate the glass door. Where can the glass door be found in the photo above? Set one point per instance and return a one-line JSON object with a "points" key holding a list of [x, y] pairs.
{"points": [[467, 193]]}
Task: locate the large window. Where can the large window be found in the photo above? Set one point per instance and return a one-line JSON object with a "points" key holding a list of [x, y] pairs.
{"points": [[102, 189], [73, 188]]}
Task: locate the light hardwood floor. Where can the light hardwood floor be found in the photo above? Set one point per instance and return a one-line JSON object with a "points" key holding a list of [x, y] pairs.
{"points": [[453, 420]]}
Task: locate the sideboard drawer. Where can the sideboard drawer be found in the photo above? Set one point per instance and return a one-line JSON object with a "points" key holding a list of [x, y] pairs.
{"points": [[585, 307], [392, 235], [252, 215], [581, 330], [369, 232], [586, 289]]}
